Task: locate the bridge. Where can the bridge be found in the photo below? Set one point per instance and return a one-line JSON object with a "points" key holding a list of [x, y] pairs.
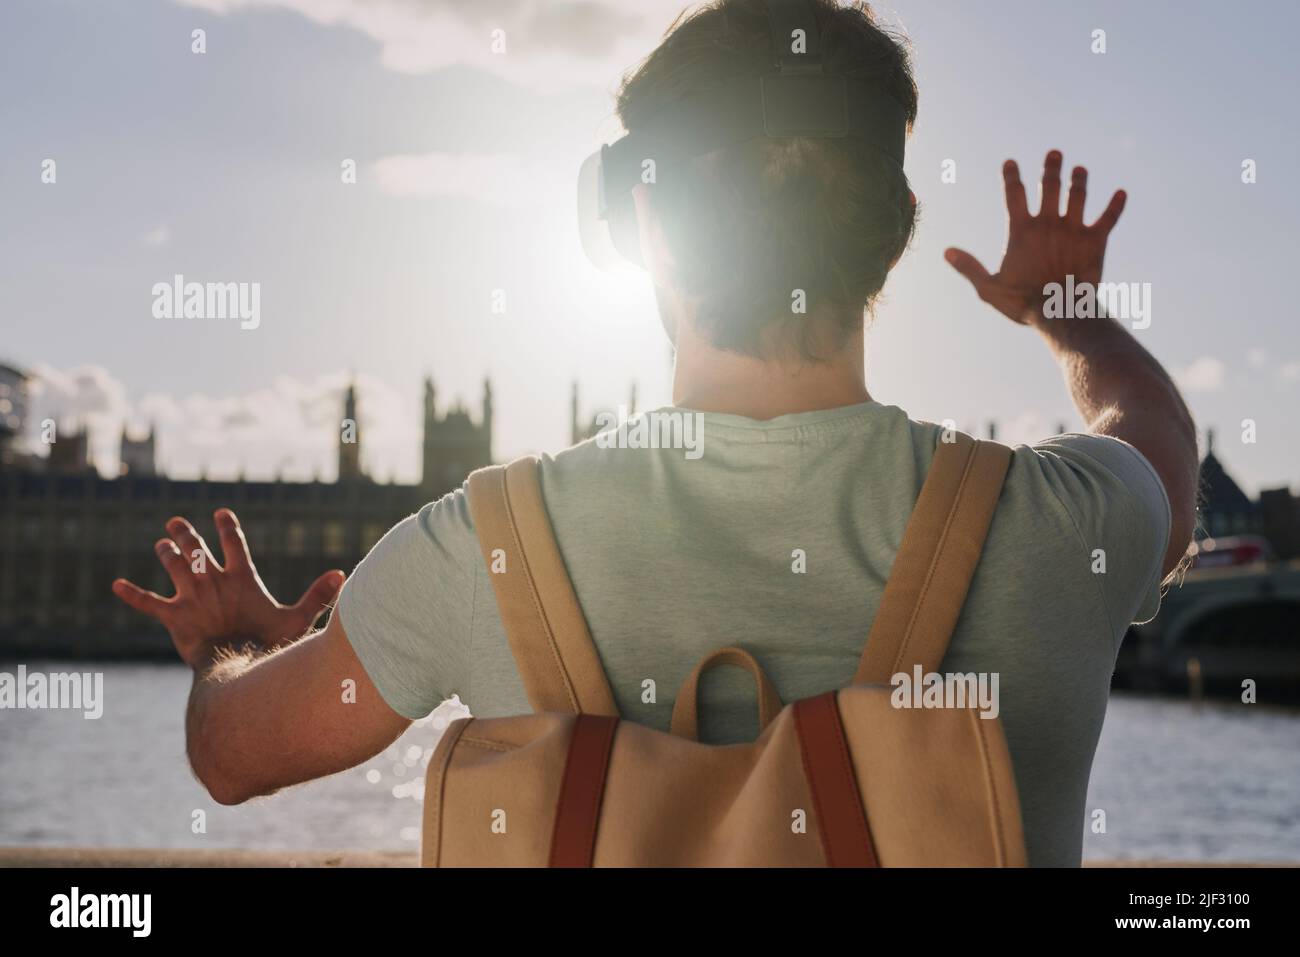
{"points": [[1219, 628]]}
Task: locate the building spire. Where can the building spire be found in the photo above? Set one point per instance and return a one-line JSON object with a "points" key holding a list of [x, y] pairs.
{"points": [[350, 438]]}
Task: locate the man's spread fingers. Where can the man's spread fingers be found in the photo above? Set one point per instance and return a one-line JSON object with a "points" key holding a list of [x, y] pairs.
{"points": [[1051, 188], [148, 602], [968, 266], [176, 566], [234, 545], [1077, 196], [189, 541], [1017, 204]]}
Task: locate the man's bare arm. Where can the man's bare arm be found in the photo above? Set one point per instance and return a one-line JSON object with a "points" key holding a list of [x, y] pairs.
{"points": [[268, 706], [256, 724], [1121, 390], [1117, 386]]}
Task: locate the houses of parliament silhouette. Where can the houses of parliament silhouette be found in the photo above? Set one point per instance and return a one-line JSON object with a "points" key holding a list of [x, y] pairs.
{"points": [[66, 531]]}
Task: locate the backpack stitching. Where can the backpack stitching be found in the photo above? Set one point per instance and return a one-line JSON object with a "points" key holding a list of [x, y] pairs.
{"points": [[936, 560], [549, 634], [439, 797], [998, 837]]}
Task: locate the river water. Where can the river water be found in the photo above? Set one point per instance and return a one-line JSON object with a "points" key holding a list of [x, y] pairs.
{"points": [[1218, 782]]}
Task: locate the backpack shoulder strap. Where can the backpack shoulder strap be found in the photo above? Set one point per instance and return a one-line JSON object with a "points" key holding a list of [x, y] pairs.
{"points": [[543, 621], [932, 571]]}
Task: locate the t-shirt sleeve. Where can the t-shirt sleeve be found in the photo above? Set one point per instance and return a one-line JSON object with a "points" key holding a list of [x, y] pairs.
{"points": [[1121, 513], [407, 607]]}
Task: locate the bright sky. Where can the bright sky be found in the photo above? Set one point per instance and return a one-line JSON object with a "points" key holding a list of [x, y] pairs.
{"points": [[225, 166]]}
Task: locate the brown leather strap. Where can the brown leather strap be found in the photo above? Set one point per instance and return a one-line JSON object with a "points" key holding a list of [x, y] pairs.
{"points": [[577, 813], [543, 621], [837, 803], [932, 571], [685, 722]]}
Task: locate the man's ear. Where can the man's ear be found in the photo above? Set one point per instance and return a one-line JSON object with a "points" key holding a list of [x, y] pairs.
{"points": [[911, 200]]}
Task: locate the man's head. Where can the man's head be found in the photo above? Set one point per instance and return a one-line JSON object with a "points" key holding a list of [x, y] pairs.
{"points": [[730, 238]]}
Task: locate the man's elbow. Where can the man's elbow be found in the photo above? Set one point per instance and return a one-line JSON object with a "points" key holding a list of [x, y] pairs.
{"points": [[224, 788], [218, 774], [225, 793]]}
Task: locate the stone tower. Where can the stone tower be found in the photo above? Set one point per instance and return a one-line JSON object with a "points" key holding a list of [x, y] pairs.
{"points": [[138, 457], [454, 445], [350, 439]]}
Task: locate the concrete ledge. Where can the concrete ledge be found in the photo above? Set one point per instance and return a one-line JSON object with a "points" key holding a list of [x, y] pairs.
{"points": [[159, 857]]}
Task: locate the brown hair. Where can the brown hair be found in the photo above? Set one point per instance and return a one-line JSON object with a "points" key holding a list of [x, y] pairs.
{"points": [[749, 223]]}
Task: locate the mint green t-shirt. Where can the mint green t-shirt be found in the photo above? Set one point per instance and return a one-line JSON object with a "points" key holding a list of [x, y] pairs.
{"points": [[673, 556]]}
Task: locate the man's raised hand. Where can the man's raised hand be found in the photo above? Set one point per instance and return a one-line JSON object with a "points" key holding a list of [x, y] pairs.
{"points": [[215, 605], [1044, 248]]}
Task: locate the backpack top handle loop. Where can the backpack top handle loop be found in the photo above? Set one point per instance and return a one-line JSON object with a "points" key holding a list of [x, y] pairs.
{"points": [[686, 708]]}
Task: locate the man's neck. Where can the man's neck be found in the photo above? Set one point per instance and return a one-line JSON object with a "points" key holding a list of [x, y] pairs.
{"points": [[707, 379]]}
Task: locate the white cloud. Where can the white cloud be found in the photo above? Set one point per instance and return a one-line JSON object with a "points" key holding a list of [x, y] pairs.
{"points": [[549, 44], [1290, 371], [492, 177], [158, 236], [82, 398], [1258, 358], [1206, 374], [289, 427]]}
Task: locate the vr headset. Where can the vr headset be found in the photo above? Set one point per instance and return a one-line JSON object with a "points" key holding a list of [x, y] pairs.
{"points": [[795, 97]]}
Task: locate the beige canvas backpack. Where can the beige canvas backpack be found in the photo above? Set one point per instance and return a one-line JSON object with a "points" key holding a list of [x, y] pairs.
{"points": [[843, 779]]}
